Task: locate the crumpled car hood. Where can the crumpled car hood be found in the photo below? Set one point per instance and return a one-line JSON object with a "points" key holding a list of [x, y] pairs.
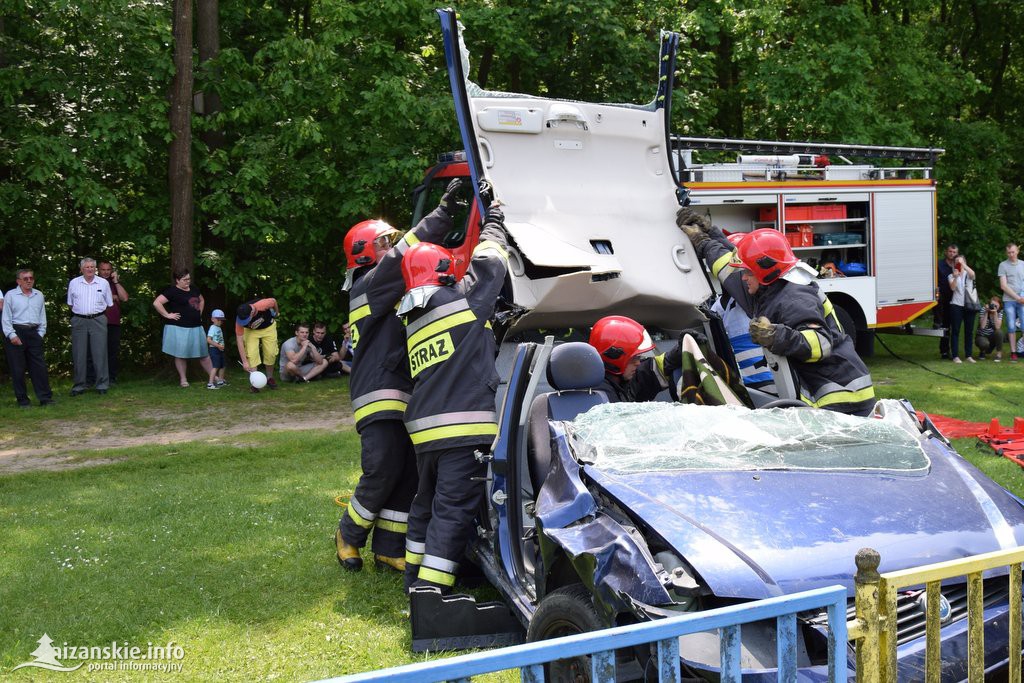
{"points": [[759, 534]]}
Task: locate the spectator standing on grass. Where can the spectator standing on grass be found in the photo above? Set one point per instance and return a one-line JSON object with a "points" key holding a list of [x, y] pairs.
{"points": [[942, 312], [118, 295], [1011, 281], [89, 298], [960, 280], [23, 320], [181, 307], [215, 340]]}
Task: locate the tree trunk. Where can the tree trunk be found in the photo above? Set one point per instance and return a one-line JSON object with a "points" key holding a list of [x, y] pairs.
{"points": [[180, 165], [208, 37]]}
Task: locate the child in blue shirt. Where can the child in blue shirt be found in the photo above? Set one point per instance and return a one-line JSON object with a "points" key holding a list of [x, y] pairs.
{"points": [[215, 339]]}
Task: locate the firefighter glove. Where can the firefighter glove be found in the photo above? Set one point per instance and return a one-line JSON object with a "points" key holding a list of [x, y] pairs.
{"points": [[687, 216], [486, 193], [696, 235], [495, 215], [673, 358], [451, 200], [762, 332]]}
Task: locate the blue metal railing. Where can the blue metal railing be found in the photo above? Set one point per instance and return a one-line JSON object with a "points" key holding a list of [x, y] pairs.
{"points": [[601, 645]]}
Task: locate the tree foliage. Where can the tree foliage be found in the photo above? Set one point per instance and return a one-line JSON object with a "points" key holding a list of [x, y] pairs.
{"points": [[331, 110]]}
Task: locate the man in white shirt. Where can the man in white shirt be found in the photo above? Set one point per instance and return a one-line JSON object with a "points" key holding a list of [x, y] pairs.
{"points": [[89, 298], [24, 326]]}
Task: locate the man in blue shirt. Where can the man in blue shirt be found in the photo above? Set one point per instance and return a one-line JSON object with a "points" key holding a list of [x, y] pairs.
{"points": [[24, 325]]}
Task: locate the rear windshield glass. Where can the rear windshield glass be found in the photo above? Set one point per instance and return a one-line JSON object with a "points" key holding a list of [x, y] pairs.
{"points": [[648, 437]]}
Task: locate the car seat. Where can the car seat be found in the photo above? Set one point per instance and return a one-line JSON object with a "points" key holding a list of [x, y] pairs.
{"points": [[574, 370]]}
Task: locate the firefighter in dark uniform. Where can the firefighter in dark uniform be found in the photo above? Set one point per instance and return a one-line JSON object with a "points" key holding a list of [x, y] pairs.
{"points": [[790, 315], [380, 386], [632, 371], [451, 413]]}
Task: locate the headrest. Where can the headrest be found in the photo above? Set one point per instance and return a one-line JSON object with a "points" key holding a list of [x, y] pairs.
{"points": [[575, 365]]}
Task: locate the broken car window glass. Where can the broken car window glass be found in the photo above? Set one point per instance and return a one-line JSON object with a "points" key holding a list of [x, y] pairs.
{"points": [[649, 437]]}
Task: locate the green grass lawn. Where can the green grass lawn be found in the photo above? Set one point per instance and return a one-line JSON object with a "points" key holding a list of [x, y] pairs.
{"points": [[221, 541]]}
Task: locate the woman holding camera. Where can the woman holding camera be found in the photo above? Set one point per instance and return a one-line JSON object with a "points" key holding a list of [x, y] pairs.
{"points": [[961, 280], [990, 330]]}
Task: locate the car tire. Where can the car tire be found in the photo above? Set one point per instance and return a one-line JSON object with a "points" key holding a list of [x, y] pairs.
{"points": [[563, 612]]}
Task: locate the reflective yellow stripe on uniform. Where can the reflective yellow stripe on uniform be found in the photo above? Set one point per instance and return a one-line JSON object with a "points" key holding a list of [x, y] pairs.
{"points": [[379, 401], [393, 520], [355, 315], [445, 323], [388, 525], [720, 264], [841, 397], [380, 407], [488, 245], [821, 347], [357, 516], [414, 551], [406, 242], [359, 313], [830, 312], [659, 365], [454, 431], [434, 576]]}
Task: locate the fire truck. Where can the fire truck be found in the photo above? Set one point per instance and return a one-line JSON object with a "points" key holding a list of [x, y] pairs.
{"points": [[868, 228]]}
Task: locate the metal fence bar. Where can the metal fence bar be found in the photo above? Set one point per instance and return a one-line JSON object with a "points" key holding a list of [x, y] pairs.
{"points": [[732, 661], [1015, 618], [837, 642], [866, 627], [602, 666], [668, 660], [532, 674], [933, 640], [785, 647], [531, 656], [944, 570], [887, 633], [975, 629], [874, 629]]}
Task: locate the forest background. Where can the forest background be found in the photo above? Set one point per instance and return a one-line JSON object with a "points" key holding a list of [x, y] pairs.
{"points": [[311, 115]]}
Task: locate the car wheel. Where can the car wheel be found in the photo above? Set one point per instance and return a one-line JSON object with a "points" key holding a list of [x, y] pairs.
{"points": [[565, 612]]}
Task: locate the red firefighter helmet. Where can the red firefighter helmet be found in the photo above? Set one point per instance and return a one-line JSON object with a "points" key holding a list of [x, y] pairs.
{"points": [[735, 238], [766, 253], [427, 264], [618, 339], [359, 242]]}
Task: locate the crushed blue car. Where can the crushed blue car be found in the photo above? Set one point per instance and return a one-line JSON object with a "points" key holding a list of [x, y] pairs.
{"points": [[601, 514]]}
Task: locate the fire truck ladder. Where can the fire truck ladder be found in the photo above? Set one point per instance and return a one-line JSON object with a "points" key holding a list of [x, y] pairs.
{"points": [[905, 154]]}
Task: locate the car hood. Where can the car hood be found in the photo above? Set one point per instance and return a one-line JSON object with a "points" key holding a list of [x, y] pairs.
{"points": [[759, 534]]}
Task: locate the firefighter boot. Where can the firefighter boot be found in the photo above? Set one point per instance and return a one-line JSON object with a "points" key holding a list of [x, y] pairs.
{"points": [[385, 562], [348, 555]]}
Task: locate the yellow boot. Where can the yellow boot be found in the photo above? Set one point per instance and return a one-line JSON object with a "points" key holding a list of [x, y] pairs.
{"points": [[348, 555], [396, 563]]}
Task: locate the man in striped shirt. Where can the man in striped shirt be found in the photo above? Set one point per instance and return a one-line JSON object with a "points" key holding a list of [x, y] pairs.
{"points": [[24, 326]]}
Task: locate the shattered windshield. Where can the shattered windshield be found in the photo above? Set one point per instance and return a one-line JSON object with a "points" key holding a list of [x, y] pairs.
{"points": [[649, 437]]}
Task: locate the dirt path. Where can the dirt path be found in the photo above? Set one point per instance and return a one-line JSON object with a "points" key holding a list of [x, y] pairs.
{"points": [[70, 440]]}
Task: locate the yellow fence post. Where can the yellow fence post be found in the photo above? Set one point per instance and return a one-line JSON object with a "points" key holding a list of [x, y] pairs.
{"points": [[866, 581]]}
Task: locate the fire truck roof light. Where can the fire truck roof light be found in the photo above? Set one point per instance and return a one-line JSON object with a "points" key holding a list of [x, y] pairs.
{"points": [[446, 157]]}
